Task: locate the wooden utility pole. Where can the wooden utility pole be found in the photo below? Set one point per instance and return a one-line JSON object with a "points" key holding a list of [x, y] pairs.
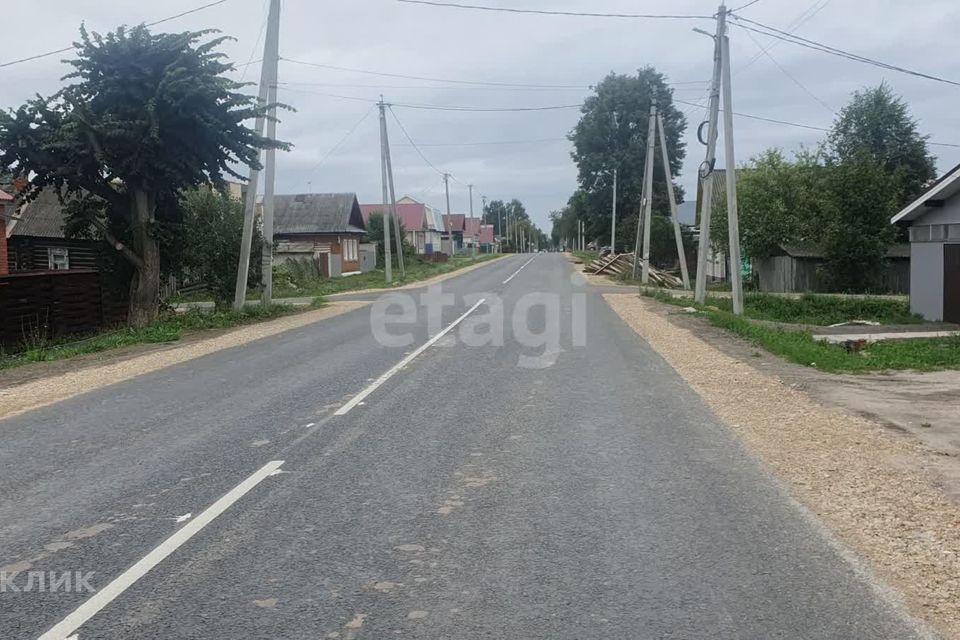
{"points": [[733, 223], [667, 176], [387, 250], [648, 190], [706, 169], [393, 195], [268, 88]]}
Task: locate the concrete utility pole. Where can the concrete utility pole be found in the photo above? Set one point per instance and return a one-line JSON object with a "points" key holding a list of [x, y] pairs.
{"points": [[270, 174], [706, 169], [613, 221], [648, 195], [733, 223], [387, 251], [268, 87], [449, 221], [393, 195], [673, 203], [470, 188]]}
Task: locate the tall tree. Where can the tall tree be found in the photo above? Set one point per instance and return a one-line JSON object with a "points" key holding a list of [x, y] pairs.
{"points": [[147, 116], [612, 133], [877, 124]]}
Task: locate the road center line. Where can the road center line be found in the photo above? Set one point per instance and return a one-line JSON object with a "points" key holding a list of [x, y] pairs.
{"points": [[519, 270], [357, 399], [125, 580]]}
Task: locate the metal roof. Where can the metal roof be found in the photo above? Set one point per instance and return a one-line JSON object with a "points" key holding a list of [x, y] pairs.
{"points": [[317, 213], [42, 218], [947, 186]]}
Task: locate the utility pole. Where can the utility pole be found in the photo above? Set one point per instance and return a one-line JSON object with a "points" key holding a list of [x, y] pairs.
{"points": [[648, 195], [733, 223], [270, 174], [393, 195], [706, 169], [648, 187], [673, 203], [387, 251], [268, 87], [613, 222], [449, 221]]}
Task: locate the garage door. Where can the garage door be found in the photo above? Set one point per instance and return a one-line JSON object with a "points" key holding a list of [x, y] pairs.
{"points": [[951, 283]]}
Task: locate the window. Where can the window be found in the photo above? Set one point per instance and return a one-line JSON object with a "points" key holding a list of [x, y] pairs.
{"points": [[58, 259], [350, 250]]}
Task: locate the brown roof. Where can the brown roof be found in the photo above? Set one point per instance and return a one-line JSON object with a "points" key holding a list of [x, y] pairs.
{"points": [[454, 221]]}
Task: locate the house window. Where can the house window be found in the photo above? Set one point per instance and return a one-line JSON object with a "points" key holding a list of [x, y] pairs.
{"points": [[58, 259], [351, 250]]}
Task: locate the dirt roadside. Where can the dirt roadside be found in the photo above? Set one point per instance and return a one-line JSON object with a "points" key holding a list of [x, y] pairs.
{"points": [[881, 492]]}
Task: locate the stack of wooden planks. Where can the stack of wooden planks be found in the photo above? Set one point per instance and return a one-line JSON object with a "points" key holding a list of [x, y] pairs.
{"points": [[621, 265]]}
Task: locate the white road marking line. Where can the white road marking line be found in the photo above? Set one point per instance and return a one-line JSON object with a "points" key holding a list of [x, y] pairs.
{"points": [[519, 270], [358, 399], [69, 625]]}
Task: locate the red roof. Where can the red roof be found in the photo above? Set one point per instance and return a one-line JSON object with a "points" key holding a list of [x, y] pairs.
{"points": [[471, 227], [486, 234], [5, 196], [412, 215], [454, 220]]}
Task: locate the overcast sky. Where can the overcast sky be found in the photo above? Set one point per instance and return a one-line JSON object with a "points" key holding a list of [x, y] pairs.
{"points": [[387, 36]]}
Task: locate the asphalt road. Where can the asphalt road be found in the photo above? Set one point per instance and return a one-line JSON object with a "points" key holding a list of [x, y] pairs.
{"points": [[505, 490]]}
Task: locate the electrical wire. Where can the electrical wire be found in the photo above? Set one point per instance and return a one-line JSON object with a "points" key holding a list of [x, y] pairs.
{"points": [[795, 24], [437, 107], [479, 7], [256, 44], [767, 53], [147, 24], [749, 4], [412, 143], [818, 46], [333, 149], [491, 143]]}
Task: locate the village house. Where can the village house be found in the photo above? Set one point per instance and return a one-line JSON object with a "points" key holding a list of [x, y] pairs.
{"points": [[418, 220], [324, 227], [934, 222], [454, 227], [36, 241]]}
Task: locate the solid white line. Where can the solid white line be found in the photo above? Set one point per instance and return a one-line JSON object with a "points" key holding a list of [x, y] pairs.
{"points": [[125, 580], [357, 399], [519, 270]]}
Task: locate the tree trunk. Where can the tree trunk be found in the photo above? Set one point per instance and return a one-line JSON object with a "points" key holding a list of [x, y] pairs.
{"points": [[145, 283]]}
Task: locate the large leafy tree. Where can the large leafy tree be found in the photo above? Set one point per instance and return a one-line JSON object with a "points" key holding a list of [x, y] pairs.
{"points": [[877, 124], [145, 117], [499, 212], [612, 133]]}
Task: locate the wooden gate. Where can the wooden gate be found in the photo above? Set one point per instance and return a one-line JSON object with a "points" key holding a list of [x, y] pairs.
{"points": [[951, 283]]}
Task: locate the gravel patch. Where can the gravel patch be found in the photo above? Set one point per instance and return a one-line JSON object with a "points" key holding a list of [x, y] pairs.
{"points": [[873, 490], [38, 393]]}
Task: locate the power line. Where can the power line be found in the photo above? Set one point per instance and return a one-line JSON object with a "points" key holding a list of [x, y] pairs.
{"points": [[437, 107], [795, 24], [817, 46], [387, 87], [761, 118], [749, 4], [491, 143], [412, 143], [478, 7], [767, 53], [428, 79], [147, 24], [256, 44], [333, 149]]}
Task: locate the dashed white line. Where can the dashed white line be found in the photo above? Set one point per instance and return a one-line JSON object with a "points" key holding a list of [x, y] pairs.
{"points": [[514, 275], [358, 399], [69, 625]]}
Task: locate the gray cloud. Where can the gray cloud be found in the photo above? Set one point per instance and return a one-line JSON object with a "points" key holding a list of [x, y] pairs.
{"points": [[387, 36]]}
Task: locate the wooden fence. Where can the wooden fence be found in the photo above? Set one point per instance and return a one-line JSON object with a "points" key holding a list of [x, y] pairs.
{"points": [[43, 305]]}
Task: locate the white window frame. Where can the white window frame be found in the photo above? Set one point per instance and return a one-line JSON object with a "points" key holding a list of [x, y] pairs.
{"points": [[58, 258], [351, 250]]}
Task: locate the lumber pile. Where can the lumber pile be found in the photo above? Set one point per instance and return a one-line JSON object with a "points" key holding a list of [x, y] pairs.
{"points": [[620, 265]]}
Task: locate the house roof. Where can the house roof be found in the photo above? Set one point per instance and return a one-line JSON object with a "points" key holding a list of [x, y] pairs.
{"points": [[486, 234], [413, 215], [5, 196], [454, 221], [947, 186], [41, 218], [471, 226], [813, 251], [317, 213]]}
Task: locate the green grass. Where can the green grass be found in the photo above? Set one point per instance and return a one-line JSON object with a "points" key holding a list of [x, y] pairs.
{"points": [[586, 256], [799, 347], [817, 310], [168, 329]]}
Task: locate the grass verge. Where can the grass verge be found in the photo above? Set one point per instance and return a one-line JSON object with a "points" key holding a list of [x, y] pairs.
{"points": [[167, 329], [923, 354]]}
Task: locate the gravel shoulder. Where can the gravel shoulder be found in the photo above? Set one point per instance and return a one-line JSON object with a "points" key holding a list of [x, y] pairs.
{"points": [[31, 388], [880, 493]]}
